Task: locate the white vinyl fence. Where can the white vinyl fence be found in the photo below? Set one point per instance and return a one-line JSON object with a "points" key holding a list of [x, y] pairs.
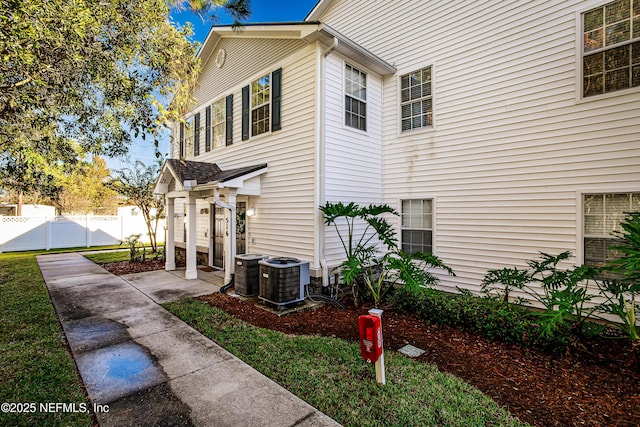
{"points": [[33, 233]]}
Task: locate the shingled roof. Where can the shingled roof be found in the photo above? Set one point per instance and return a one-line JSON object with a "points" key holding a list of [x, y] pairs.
{"points": [[203, 172]]}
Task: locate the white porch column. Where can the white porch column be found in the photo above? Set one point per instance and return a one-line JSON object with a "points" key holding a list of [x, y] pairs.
{"points": [[230, 241], [170, 244], [191, 271]]}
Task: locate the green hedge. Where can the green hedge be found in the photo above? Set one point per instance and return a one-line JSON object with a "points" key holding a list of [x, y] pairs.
{"points": [[491, 318]]}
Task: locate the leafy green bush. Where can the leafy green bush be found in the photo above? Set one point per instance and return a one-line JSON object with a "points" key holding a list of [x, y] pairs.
{"points": [[622, 296], [134, 244], [492, 318], [370, 275], [360, 246], [563, 292]]}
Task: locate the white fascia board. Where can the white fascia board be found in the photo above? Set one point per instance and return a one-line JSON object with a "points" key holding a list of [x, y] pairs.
{"points": [[309, 32], [239, 181], [263, 31], [318, 10], [163, 180], [354, 51]]}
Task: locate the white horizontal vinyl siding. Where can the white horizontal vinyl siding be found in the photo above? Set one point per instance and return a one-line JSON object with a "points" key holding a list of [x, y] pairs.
{"points": [[284, 221], [202, 222], [512, 148], [353, 158], [244, 57]]}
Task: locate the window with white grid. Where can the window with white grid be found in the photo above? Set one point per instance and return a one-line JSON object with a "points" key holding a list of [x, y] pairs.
{"points": [[260, 105], [218, 123], [416, 104], [355, 88], [189, 130], [417, 225], [611, 47], [603, 214]]}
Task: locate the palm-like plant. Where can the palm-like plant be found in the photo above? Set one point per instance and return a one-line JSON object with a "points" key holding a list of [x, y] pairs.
{"points": [[362, 229], [365, 270], [354, 215], [623, 295]]}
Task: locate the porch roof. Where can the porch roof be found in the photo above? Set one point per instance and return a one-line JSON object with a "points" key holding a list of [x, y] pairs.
{"points": [[200, 172]]}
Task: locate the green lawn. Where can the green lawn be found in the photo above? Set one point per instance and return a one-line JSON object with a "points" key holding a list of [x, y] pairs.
{"points": [[114, 256], [35, 364], [330, 374]]}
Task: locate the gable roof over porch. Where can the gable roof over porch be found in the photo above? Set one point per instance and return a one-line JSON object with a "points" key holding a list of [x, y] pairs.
{"points": [[187, 175]]}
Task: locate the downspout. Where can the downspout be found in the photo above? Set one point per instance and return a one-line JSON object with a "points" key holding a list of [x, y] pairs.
{"points": [[321, 159]]}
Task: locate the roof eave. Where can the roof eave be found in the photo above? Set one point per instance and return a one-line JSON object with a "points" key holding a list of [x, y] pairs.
{"points": [[307, 31], [354, 51], [318, 10]]}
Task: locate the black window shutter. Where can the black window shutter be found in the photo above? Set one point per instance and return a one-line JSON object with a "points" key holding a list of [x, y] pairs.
{"points": [[276, 100], [229, 118], [181, 136], [245, 113], [207, 129], [196, 135]]}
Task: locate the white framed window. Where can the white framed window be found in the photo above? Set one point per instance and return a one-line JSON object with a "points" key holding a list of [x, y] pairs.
{"points": [[603, 213], [416, 216], [218, 123], [189, 132], [416, 100], [261, 105], [611, 47], [355, 98]]}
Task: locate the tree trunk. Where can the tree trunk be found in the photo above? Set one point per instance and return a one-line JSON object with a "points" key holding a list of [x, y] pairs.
{"points": [[19, 208]]}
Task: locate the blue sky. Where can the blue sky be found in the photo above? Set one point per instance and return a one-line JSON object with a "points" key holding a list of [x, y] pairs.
{"points": [[261, 11]]}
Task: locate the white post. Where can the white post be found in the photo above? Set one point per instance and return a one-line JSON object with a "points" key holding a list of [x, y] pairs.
{"points": [[169, 244], [87, 231], [191, 271], [380, 377], [47, 238]]}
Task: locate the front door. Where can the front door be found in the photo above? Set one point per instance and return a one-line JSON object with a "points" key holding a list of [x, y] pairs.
{"points": [[219, 230]]}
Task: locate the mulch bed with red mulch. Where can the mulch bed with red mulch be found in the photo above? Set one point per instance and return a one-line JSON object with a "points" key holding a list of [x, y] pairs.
{"points": [[589, 385], [120, 268]]}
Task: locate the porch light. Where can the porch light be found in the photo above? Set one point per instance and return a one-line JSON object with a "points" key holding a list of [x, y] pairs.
{"points": [[251, 212]]}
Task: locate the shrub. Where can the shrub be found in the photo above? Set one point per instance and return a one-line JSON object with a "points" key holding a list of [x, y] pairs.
{"points": [[488, 317], [622, 296], [134, 244], [563, 293]]}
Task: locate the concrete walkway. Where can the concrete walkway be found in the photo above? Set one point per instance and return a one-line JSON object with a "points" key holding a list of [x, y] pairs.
{"points": [[150, 368]]}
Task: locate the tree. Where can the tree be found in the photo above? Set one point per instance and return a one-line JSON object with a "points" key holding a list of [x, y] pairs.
{"points": [[86, 191], [90, 75], [23, 175], [136, 184]]}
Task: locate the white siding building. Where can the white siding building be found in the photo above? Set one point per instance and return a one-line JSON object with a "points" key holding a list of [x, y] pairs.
{"points": [[497, 129]]}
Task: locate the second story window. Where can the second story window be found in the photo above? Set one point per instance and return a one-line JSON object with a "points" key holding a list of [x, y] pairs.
{"points": [[189, 136], [218, 123], [261, 106], [260, 103], [416, 106], [355, 99], [611, 47]]}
